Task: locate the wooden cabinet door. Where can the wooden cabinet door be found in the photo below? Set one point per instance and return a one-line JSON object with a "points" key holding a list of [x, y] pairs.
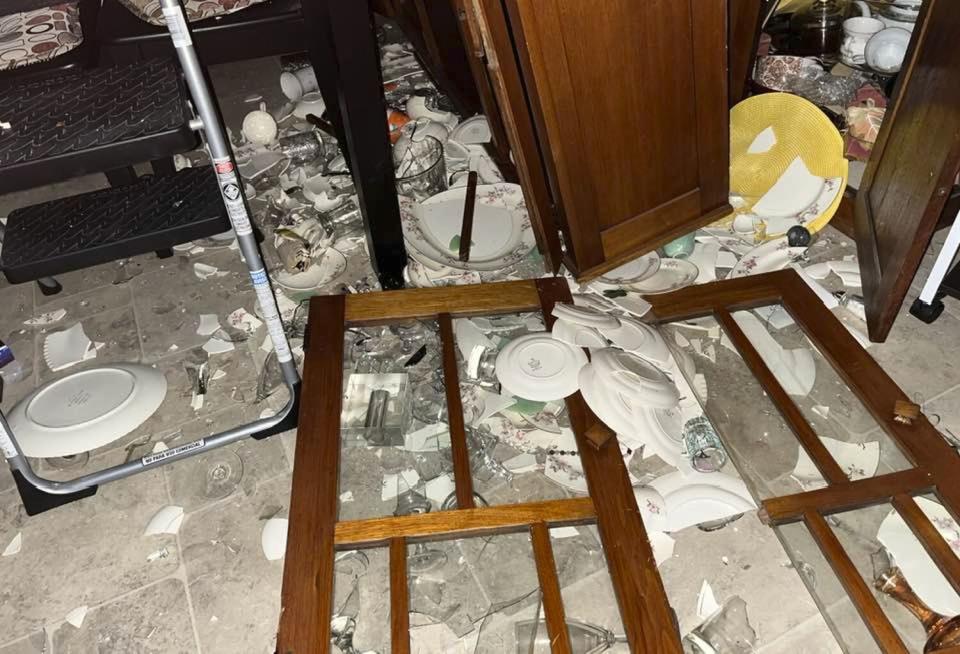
{"points": [[912, 167], [629, 100]]}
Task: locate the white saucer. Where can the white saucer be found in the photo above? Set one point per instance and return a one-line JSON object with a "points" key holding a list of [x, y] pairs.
{"points": [[585, 316], [539, 367], [87, 409]]}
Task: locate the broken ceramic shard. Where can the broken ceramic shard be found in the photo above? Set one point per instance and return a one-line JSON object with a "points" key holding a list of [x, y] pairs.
{"points": [[857, 460], [698, 498], [76, 616], [67, 348], [273, 538], [15, 545], [47, 318], [165, 521], [209, 323]]}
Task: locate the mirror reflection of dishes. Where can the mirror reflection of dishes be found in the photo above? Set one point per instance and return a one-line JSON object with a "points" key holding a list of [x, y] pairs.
{"points": [[502, 233], [330, 266]]}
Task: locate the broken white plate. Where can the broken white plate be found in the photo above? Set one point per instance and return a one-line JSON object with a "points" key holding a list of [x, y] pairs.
{"points": [[908, 553], [14, 546], [763, 142], [502, 234], [633, 304], [662, 545], [218, 346], [848, 272], [857, 460], [273, 538], [825, 296], [319, 274], [539, 367], [577, 335], [704, 257], [672, 274], [707, 603], [653, 509], [795, 190], [76, 616], [772, 255], [633, 271], [585, 316], [692, 499], [818, 271], [87, 409], [209, 323], [795, 369], [642, 383], [48, 318], [639, 338], [469, 336], [592, 301], [67, 348], [165, 521]]}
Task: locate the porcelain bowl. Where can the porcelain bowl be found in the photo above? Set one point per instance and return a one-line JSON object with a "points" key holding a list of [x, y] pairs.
{"points": [[886, 49]]}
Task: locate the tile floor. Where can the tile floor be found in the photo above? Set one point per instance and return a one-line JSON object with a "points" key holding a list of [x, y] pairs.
{"points": [[210, 589]]}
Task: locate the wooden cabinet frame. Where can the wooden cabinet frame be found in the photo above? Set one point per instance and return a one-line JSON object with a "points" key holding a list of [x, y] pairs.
{"points": [[315, 534]]}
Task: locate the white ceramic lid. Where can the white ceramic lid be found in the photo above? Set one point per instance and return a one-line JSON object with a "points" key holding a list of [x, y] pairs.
{"points": [[539, 367], [87, 409]]}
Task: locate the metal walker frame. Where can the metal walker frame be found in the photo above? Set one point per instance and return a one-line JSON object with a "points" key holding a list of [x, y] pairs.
{"points": [[40, 494]]}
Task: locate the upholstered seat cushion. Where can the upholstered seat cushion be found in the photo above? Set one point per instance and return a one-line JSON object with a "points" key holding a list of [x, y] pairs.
{"points": [[31, 37], [150, 11]]}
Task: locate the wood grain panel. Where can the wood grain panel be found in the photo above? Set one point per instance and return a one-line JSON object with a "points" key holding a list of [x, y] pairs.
{"points": [[863, 599], [462, 476], [307, 592], [632, 102], [550, 589], [487, 18], [912, 167], [399, 598], [463, 523], [644, 608], [856, 494], [412, 303]]}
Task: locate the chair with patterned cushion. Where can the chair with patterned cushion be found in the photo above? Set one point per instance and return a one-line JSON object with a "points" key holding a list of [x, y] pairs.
{"points": [[223, 30], [41, 37]]}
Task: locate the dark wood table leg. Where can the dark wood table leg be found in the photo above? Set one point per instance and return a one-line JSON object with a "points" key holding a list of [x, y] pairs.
{"points": [[347, 60]]}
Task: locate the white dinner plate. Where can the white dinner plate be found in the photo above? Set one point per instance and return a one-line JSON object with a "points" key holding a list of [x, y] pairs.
{"points": [[640, 381], [86, 409], [502, 234], [640, 338], [772, 255], [695, 498], [539, 367]]}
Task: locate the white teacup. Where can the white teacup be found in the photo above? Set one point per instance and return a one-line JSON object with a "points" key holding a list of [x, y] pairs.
{"points": [[856, 32], [298, 83]]}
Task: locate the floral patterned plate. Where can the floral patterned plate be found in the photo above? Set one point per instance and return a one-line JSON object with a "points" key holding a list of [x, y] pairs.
{"points": [[502, 233], [772, 255]]}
